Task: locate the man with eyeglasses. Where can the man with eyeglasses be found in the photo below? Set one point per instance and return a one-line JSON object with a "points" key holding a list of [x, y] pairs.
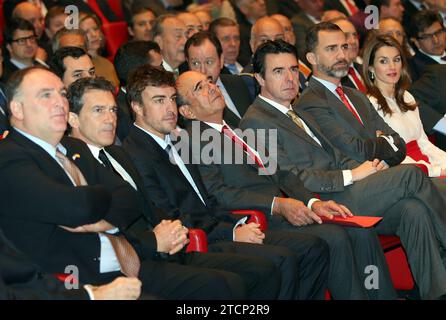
{"points": [[21, 42], [427, 32], [204, 54]]}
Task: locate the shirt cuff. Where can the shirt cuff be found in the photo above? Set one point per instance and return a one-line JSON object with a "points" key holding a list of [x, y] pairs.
{"points": [[240, 222], [389, 139], [348, 177], [310, 203], [89, 290], [272, 205]]}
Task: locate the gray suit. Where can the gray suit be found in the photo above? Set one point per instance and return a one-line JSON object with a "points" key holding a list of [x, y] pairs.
{"points": [[237, 186], [344, 131], [407, 199], [301, 25]]}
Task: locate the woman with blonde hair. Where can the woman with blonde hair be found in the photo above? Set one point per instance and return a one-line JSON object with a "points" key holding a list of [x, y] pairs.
{"points": [[387, 79]]}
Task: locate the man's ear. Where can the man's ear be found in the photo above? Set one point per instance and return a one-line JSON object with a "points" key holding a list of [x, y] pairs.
{"points": [[73, 120], [222, 60], [16, 108], [186, 112], [259, 79], [136, 107], [130, 31], [159, 41], [311, 57]]}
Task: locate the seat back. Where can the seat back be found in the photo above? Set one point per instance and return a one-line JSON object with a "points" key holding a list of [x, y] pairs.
{"points": [[115, 6], [97, 10], [116, 34]]}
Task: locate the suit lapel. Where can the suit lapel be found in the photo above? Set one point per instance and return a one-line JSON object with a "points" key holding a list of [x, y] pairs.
{"points": [[284, 121], [45, 160]]}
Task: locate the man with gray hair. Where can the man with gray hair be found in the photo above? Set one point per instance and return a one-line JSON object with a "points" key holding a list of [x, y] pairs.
{"points": [[69, 38]]}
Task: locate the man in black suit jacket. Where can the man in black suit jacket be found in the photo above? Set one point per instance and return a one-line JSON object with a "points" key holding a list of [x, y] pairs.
{"points": [[22, 280], [238, 182], [345, 116], [428, 34], [53, 202], [179, 191], [204, 54], [365, 188], [430, 92]]}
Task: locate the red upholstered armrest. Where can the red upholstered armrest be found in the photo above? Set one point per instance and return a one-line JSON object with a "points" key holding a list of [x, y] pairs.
{"points": [[198, 241], [255, 216]]}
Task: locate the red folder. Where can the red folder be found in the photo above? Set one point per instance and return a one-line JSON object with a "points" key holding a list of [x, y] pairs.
{"points": [[355, 221]]}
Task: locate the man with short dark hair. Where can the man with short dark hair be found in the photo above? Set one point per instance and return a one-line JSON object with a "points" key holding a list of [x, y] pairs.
{"points": [[175, 186], [21, 42], [400, 194], [428, 33], [72, 63], [228, 33], [140, 24], [57, 191], [345, 115]]}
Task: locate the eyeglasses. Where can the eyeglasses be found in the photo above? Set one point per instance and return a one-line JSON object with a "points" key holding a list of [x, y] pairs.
{"points": [[430, 36], [22, 41]]}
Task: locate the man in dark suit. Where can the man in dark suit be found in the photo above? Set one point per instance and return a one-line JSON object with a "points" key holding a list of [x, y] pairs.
{"points": [[83, 211], [365, 188], [353, 79], [204, 54], [428, 34], [176, 187], [310, 14], [345, 115], [21, 42], [22, 280], [430, 92], [257, 182]]}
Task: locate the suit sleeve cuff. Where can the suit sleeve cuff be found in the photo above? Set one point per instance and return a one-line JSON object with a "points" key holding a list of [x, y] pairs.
{"points": [[390, 141], [348, 177], [239, 223], [89, 290], [310, 203]]}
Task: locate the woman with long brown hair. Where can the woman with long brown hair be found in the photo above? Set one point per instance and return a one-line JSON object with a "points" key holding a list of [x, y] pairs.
{"points": [[387, 79]]}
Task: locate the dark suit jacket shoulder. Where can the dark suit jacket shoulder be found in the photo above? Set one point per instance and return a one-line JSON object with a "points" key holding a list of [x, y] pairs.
{"points": [[339, 125], [170, 191], [318, 166]]}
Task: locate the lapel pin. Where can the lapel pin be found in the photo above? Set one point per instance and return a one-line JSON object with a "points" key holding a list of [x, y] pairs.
{"points": [[75, 156]]}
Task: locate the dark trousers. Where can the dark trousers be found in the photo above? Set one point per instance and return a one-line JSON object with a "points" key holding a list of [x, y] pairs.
{"points": [[211, 276], [302, 260], [351, 251]]}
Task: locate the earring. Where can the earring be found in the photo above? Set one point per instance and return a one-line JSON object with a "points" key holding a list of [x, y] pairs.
{"points": [[372, 75]]}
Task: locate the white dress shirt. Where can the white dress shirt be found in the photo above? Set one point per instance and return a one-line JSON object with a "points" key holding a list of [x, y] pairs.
{"points": [[116, 165], [229, 103], [180, 163], [409, 127], [108, 260]]}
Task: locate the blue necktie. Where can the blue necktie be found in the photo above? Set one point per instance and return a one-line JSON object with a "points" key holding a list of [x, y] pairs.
{"points": [[232, 68]]}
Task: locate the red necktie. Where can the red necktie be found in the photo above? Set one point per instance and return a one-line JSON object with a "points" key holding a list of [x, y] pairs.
{"points": [[351, 7], [344, 99], [356, 79], [238, 141]]}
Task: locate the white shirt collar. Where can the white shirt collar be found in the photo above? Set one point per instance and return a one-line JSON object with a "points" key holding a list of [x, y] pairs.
{"points": [[436, 58], [276, 105], [167, 67], [94, 150], [327, 84], [217, 126], [315, 20], [50, 149], [162, 142]]}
